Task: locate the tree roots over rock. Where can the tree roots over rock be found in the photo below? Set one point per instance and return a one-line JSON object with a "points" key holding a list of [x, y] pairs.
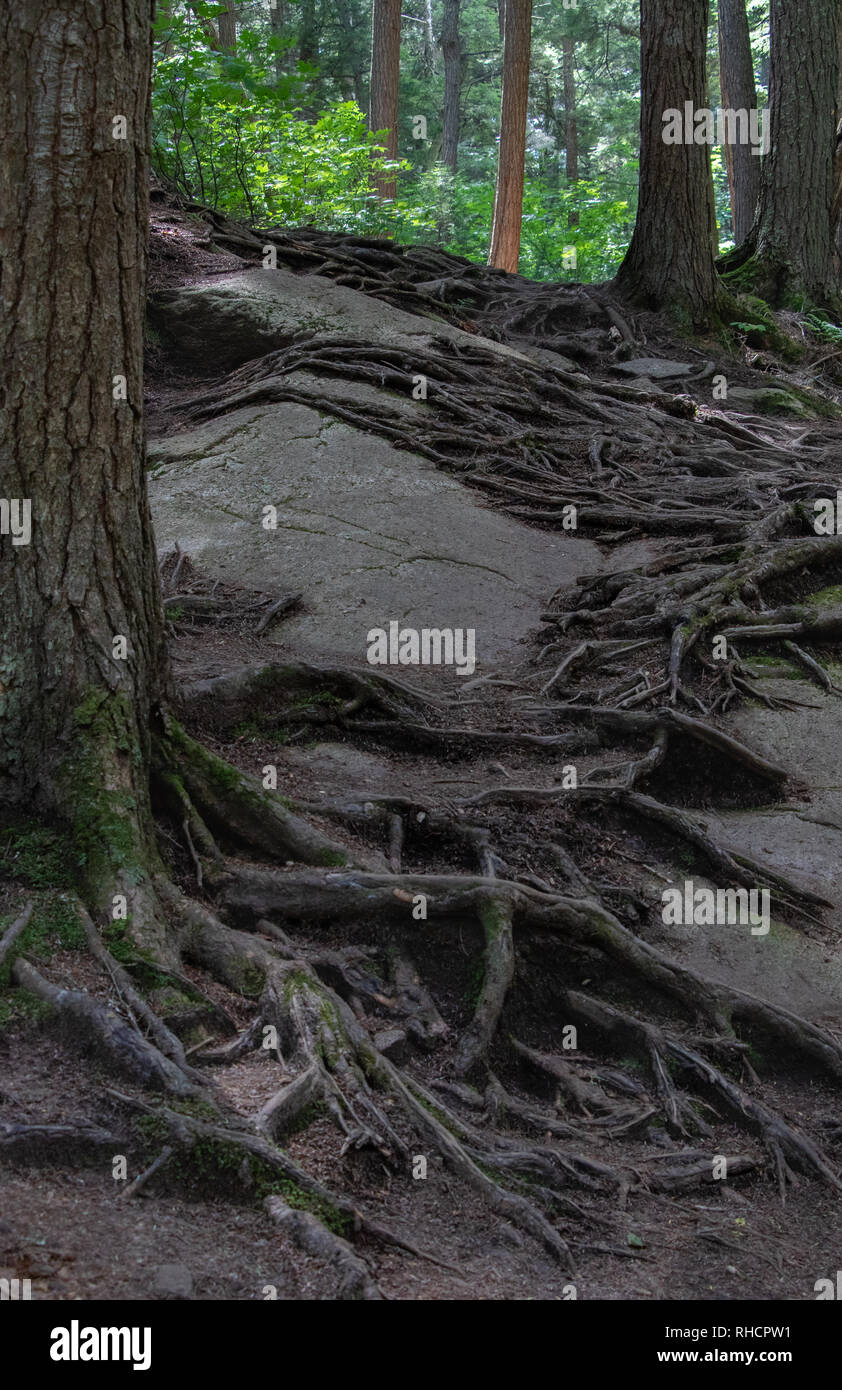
{"points": [[327, 916]]}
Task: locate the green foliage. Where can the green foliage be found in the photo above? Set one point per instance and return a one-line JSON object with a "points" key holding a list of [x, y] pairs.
{"points": [[228, 131], [823, 327]]}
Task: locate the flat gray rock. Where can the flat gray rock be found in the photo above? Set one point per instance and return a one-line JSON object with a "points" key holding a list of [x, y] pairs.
{"points": [[235, 318], [370, 533]]}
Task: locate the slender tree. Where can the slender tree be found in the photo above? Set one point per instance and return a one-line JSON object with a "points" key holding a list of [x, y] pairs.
{"points": [[277, 23], [451, 48], [228, 27], [571, 129], [308, 39], [508, 197], [670, 262], [385, 80], [739, 93]]}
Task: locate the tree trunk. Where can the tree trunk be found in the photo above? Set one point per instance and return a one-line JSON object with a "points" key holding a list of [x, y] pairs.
{"points": [[353, 54], [228, 27], [794, 233], [739, 93], [163, 13], [670, 262], [308, 42], [82, 655], [208, 28], [385, 79], [508, 197], [452, 53], [571, 132], [277, 21], [429, 37]]}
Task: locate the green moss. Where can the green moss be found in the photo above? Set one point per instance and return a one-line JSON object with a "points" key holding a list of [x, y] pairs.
{"points": [[17, 1005], [195, 1106], [104, 821], [830, 597], [117, 937], [249, 978], [331, 859], [36, 855], [152, 1130], [54, 925], [301, 1200]]}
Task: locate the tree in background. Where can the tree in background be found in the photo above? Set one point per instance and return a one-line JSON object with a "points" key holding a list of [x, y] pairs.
{"points": [[228, 27], [451, 48], [789, 256], [308, 40], [571, 130], [508, 197], [739, 93], [385, 83], [670, 262]]}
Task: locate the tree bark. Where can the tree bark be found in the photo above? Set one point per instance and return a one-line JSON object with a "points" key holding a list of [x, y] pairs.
{"points": [[385, 80], [228, 27], [571, 130], [353, 56], [308, 40], [670, 262], [277, 22], [451, 48], [76, 714], [508, 197], [794, 232], [739, 93]]}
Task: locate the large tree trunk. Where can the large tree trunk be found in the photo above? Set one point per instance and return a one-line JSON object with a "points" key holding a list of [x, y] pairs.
{"points": [[794, 233], [452, 53], [670, 262], [508, 198], [76, 712], [739, 93], [571, 130], [385, 81]]}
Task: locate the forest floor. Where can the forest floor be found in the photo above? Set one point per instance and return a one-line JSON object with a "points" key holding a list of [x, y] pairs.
{"points": [[540, 397]]}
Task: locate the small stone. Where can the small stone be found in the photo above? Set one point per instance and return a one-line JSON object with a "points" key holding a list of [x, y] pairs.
{"points": [[174, 1281], [393, 1044], [656, 368], [508, 1235]]}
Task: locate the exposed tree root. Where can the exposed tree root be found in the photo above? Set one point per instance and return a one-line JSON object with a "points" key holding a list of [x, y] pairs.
{"points": [[628, 673]]}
